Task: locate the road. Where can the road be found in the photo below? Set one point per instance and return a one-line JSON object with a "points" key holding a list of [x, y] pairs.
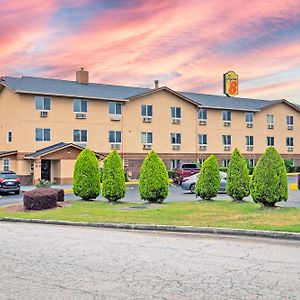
{"points": [[57, 262], [175, 194]]}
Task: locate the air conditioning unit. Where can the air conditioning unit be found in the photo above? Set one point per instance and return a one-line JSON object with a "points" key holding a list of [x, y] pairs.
{"points": [[176, 147], [249, 148], [290, 127], [202, 147], [202, 122], [43, 114], [270, 126], [147, 146], [80, 116], [227, 148], [115, 117], [290, 149], [249, 125], [227, 123], [176, 121], [82, 145], [147, 119], [115, 146]]}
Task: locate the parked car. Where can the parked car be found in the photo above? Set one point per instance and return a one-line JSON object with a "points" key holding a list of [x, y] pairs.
{"points": [[9, 182], [189, 182], [185, 170]]}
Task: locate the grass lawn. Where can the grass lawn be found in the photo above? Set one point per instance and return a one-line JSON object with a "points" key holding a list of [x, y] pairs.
{"points": [[209, 214]]}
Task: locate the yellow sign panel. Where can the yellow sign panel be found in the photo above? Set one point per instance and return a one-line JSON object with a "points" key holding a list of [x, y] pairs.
{"points": [[231, 84]]}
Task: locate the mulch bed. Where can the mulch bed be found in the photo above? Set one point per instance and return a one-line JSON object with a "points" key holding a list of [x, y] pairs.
{"points": [[20, 207]]}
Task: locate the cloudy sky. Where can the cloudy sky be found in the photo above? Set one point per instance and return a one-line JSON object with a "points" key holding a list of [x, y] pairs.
{"points": [[186, 44]]}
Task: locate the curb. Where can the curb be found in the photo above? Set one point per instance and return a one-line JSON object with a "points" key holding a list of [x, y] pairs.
{"points": [[168, 228]]}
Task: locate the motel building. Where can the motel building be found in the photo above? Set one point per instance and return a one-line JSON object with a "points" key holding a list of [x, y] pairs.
{"points": [[45, 123]]}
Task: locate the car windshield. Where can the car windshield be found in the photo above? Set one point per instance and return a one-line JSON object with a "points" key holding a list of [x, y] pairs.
{"points": [[189, 166], [8, 176]]}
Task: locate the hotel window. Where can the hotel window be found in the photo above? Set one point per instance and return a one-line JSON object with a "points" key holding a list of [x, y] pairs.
{"points": [[202, 139], [226, 139], [270, 141], [6, 162], [249, 119], [175, 112], [175, 138], [146, 111], [250, 162], [290, 142], [270, 121], [226, 115], [42, 103], [80, 135], [226, 162], [147, 137], [115, 137], [80, 106], [9, 136], [249, 140], [290, 122], [202, 114], [42, 134], [115, 108], [174, 164]]}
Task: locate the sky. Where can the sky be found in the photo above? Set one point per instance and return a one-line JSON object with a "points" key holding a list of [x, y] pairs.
{"points": [[186, 44]]}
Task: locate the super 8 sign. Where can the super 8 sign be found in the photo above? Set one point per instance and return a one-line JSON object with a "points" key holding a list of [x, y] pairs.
{"points": [[230, 84]]}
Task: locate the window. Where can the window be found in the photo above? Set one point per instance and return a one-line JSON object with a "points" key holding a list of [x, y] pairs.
{"points": [[201, 161], [42, 103], [115, 108], [202, 139], [202, 114], [270, 141], [226, 139], [289, 120], [250, 162], [175, 138], [226, 162], [249, 117], [42, 134], [249, 140], [176, 112], [146, 110], [5, 164], [270, 119], [9, 136], [290, 142], [226, 116], [80, 106], [147, 137], [174, 164], [80, 135], [115, 136]]}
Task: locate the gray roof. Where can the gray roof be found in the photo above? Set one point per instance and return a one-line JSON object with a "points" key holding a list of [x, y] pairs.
{"points": [[47, 86], [7, 152], [47, 149]]}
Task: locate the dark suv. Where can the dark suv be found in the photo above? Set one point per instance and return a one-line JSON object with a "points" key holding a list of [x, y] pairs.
{"points": [[9, 182]]}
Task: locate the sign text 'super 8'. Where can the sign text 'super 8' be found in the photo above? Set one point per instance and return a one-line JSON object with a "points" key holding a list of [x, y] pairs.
{"points": [[230, 84]]}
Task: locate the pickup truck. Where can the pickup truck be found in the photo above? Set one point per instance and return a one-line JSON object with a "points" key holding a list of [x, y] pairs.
{"points": [[185, 170]]}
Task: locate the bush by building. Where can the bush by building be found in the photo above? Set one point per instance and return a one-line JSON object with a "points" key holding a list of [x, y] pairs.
{"points": [[238, 179], [60, 195], [208, 182], [43, 184], [154, 180], [86, 178], [269, 181], [113, 179], [41, 198]]}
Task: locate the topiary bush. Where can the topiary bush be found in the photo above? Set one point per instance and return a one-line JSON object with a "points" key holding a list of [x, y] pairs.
{"points": [[86, 178], [43, 183], [269, 184], [208, 183], [238, 179], [113, 178], [154, 180], [41, 198], [60, 195], [289, 165]]}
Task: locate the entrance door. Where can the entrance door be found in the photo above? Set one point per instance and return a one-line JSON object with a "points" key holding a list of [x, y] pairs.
{"points": [[46, 170]]}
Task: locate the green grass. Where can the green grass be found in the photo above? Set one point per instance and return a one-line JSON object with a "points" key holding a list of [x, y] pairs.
{"points": [[209, 214]]}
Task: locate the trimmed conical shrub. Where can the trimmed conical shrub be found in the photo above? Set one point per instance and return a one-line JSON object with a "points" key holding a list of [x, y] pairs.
{"points": [[86, 177], [154, 180], [113, 179], [208, 182], [269, 182], [238, 179]]}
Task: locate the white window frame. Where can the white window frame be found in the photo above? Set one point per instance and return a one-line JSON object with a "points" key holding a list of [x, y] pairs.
{"points": [[176, 110], [147, 115], [174, 164], [201, 139], [252, 117], [225, 162], [175, 135], [226, 116], [115, 104], [43, 98], [289, 120], [248, 139], [270, 119], [289, 141], [80, 135], [145, 138], [6, 164], [268, 141], [224, 139], [202, 114], [43, 134], [115, 136], [80, 110]]}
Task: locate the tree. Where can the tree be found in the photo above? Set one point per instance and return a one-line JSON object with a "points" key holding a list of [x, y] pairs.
{"points": [[208, 182], [86, 176], [269, 182], [154, 180], [238, 179], [113, 179]]}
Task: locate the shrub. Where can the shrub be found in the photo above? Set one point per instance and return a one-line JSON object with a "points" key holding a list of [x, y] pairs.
{"points": [[269, 181], [154, 180], [297, 169], [113, 178], [289, 165], [238, 179], [208, 182], [171, 173], [223, 169], [43, 184], [41, 198], [86, 178], [60, 195]]}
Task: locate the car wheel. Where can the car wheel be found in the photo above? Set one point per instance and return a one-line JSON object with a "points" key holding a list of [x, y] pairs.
{"points": [[17, 192], [192, 188]]}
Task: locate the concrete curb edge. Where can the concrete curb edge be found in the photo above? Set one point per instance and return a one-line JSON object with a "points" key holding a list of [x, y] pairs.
{"points": [[168, 228]]}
